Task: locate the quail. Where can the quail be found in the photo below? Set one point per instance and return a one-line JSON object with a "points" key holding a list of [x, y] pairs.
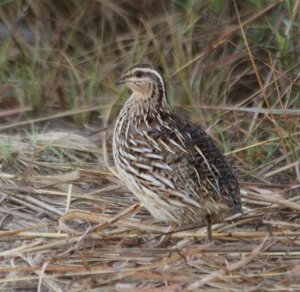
{"points": [[170, 164]]}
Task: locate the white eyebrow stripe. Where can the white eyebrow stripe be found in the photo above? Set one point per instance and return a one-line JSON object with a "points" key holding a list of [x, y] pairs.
{"points": [[148, 70]]}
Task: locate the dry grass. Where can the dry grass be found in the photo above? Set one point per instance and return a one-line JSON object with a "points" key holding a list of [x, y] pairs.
{"points": [[67, 223]]}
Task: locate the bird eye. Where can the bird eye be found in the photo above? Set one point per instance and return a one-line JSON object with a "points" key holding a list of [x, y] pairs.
{"points": [[138, 74]]}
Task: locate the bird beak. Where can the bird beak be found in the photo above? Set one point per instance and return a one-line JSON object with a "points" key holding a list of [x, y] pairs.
{"points": [[120, 81]]}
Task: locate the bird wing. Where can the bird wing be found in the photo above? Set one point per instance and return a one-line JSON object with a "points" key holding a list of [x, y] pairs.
{"points": [[193, 163]]}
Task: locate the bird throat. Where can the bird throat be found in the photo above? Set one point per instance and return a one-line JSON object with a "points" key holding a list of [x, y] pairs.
{"points": [[139, 107]]}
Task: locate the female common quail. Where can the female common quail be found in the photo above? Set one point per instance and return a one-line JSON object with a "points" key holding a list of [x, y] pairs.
{"points": [[170, 164]]}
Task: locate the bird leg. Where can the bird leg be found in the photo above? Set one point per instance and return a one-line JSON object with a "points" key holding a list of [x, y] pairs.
{"points": [[209, 229]]}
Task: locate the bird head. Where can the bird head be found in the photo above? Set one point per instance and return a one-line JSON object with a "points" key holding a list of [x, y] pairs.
{"points": [[143, 80]]}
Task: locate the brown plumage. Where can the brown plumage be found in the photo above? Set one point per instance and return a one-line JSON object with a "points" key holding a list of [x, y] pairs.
{"points": [[172, 166]]}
